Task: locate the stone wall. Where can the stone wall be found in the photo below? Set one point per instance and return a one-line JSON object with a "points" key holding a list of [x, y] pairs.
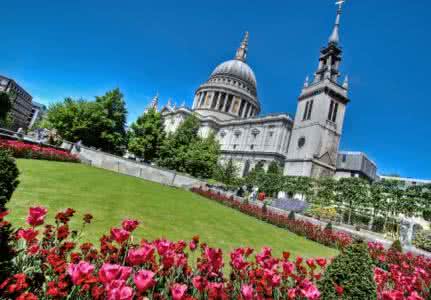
{"points": [[125, 166]]}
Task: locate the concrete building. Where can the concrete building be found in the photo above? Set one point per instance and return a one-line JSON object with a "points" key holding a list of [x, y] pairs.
{"points": [[355, 164], [228, 105], [407, 181], [21, 108], [37, 112]]}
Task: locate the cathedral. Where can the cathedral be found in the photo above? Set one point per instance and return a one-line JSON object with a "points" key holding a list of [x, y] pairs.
{"points": [[228, 105]]}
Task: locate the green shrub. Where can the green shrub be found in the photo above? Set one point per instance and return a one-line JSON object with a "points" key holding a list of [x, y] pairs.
{"points": [[8, 177], [426, 214], [328, 226], [291, 216], [378, 224], [423, 240], [8, 182], [396, 246], [353, 271]]}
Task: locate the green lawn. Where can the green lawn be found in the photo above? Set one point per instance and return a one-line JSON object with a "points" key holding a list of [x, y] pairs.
{"points": [[164, 211]]}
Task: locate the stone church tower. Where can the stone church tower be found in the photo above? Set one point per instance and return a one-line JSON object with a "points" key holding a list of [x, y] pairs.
{"points": [[319, 116]]}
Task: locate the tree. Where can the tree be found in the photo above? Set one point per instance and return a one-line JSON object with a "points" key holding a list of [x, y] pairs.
{"points": [[146, 135], [274, 168], [174, 148], [353, 192], [99, 123], [5, 108], [304, 187], [325, 191], [252, 179], [353, 271], [113, 128], [186, 151], [270, 183], [8, 183], [202, 156], [227, 172]]}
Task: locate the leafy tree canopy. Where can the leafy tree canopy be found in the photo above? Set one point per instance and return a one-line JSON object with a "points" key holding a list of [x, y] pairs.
{"points": [[185, 151], [5, 105], [99, 123], [146, 135]]}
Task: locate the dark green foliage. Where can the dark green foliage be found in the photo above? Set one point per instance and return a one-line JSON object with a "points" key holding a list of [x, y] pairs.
{"points": [[185, 151], [291, 216], [5, 105], [352, 270], [8, 183], [8, 177], [422, 240], [328, 226], [202, 156], [396, 246], [427, 215], [146, 135], [325, 191], [378, 224], [353, 192], [274, 168], [100, 123], [227, 173]]}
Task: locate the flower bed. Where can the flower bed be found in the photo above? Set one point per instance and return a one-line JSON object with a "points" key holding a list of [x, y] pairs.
{"points": [[303, 228], [20, 149], [57, 267], [50, 264]]}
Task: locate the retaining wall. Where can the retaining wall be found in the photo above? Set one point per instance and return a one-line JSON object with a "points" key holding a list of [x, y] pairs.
{"points": [[122, 165]]}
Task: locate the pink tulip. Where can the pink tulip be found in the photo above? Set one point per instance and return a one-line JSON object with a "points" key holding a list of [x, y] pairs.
{"points": [[247, 291], [129, 225], [178, 291], [36, 215], [110, 272], [118, 290], [144, 280], [80, 271], [120, 235], [140, 255], [27, 234]]}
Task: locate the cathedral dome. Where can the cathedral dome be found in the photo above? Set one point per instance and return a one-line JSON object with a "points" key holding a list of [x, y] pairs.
{"points": [[231, 91], [238, 69]]}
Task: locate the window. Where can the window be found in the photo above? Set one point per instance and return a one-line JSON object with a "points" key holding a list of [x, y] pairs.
{"points": [[234, 146], [333, 110], [344, 157], [310, 108], [307, 111], [251, 147]]}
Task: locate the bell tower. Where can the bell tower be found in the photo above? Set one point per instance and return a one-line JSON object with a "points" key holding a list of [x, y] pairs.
{"points": [[319, 115]]}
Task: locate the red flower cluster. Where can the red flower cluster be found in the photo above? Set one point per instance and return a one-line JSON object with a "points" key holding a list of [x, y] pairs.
{"points": [[22, 149], [161, 269], [400, 275], [309, 230]]}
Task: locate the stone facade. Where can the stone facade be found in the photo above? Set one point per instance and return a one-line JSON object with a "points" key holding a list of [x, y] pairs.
{"points": [[227, 105]]}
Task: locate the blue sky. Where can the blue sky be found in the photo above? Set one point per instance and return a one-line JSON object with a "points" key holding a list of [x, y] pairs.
{"points": [[82, 48]]}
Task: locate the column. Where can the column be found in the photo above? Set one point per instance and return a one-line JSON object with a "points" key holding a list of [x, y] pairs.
{"points": [[201, 99], [243, 109], [195, 101], [218, 100], [251, 111], [225, 102]]}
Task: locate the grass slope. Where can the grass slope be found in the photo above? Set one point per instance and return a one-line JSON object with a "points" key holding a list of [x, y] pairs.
{"points": [[164, 211]]}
